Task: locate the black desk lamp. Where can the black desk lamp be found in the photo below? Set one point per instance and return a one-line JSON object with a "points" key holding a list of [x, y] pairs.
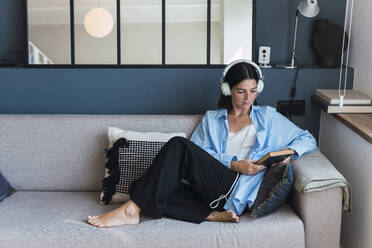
{"points": [[308, 8]]}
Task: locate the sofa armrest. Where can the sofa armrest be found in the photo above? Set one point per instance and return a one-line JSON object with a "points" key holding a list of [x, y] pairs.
{"points": [[320, 209], [321, 213]]}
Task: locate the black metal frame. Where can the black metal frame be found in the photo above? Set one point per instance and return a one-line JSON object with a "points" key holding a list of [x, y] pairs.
{"points": [[118, 32], [119, 65], [163, 20], [72, 31], [209, 32]]}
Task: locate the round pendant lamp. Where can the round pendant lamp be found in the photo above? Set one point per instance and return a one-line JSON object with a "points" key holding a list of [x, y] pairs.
{"points": [[98, 22]]}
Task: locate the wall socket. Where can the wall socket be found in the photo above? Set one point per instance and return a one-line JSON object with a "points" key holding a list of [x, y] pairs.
{"points": [[296, 108], [264, 55]]}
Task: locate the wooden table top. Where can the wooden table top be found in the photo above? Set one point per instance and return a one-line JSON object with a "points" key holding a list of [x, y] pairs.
{"points": [[360, 123]]}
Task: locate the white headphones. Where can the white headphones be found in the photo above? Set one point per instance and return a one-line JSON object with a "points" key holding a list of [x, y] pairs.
{"points": [[225, 87]]}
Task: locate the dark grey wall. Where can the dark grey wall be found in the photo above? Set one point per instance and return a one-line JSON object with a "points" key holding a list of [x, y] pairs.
{"points": [[12, 31], [275, 21], [147, 91], [161, 90]]}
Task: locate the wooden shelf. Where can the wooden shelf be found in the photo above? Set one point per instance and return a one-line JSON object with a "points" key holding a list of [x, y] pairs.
{"points": [[334, 109], [360, 123]]}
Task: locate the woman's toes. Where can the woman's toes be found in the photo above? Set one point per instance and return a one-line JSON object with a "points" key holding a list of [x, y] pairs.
{"points": [[91, 222], [96, 222], [94, 217]]}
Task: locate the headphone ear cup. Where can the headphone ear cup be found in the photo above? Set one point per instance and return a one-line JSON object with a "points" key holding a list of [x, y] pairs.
{"points": [[260, 86], [225, 89]]}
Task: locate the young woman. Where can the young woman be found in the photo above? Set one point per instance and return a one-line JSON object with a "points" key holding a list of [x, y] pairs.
{"points": [[218, 162]]}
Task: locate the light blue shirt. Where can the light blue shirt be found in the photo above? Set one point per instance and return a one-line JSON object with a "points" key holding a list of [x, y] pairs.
{"points": [[274, 132]]}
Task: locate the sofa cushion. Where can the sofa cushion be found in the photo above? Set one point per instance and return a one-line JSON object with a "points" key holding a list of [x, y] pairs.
{"points": [[65, 152], [5, 188], [274, 190], [129, 155], [58, 219]]}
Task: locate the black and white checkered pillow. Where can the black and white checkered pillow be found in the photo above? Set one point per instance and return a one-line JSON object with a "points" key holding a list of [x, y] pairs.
{"points": [[134, 160], [129, 155]]}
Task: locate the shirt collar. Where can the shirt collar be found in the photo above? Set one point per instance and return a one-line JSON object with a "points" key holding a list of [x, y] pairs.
{"points": [[223, 112]]}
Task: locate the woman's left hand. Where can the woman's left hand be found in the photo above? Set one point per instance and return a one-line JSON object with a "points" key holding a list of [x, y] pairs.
{"points": [[285, 161]]}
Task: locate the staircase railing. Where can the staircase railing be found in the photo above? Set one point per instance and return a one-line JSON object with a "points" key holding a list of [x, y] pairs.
{"points": [[36, 56]]}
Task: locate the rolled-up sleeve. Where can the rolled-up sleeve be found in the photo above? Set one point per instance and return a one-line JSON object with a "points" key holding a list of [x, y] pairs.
{"points": [[304, 143], [296, 138]]}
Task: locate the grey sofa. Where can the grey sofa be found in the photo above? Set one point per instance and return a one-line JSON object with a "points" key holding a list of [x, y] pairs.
{"points": [[56, 162]]}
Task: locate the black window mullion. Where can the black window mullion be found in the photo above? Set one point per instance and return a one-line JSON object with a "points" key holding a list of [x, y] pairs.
{"points": [[118, 31], [209, 33], [27, 35], [72, 31], [254, 31], [163, 32]]}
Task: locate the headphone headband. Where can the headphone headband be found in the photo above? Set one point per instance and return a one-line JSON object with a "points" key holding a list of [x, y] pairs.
{"points": [[227, 68], [225, 88]]}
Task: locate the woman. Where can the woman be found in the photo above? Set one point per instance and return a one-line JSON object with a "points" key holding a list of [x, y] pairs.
{"points": [[214, 177]]}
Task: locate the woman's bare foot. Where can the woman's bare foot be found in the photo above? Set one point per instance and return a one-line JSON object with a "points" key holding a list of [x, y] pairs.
{"points": [[225, 216], [128, 214]]}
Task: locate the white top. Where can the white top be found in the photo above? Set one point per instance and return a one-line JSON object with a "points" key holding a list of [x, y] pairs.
{"points": [[241, 142]]}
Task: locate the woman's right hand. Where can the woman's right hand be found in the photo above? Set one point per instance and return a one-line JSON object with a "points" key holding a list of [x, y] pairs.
{"points": [[246, 166]]}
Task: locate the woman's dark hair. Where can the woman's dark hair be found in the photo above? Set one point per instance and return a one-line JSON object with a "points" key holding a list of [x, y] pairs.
{"points": [[235, 75]]}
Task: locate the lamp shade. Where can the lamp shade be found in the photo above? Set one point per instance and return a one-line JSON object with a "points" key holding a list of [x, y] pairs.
{"points": [[98, 22], [309, 8]]}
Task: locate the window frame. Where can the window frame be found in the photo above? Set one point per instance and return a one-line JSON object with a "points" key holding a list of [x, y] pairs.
{"points": [[118, 40]]}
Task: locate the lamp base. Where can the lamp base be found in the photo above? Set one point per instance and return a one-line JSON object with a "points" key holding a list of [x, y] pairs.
{"points": [[287, 66]]}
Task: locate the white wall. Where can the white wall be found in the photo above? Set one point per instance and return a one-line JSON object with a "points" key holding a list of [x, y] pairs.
{"points": [[53, 41], [186, 43], [349, 152], [237, 30], [361, 46], [352, 156]]}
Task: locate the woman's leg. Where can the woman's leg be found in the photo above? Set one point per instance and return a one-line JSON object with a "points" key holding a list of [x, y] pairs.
{"points": [[155, 192], [180, 159], [184, 204]]}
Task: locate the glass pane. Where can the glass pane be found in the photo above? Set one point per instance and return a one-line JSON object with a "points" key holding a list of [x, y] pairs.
{"points": [[186, 32], [95, 32], [231, 30], [49, 31], [141, 31]]}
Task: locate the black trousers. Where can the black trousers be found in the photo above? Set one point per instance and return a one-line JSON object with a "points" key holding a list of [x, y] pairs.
{"points": [[160, 191]]}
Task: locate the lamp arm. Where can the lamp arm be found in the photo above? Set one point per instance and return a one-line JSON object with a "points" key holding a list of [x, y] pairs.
{"points": [[294, 40]]}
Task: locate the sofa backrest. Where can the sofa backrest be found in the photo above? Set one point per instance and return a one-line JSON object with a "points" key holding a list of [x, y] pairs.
{"points": [[66, 152]]}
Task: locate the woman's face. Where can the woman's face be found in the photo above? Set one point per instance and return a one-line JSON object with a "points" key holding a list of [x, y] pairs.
{"points": [[243, 94]]}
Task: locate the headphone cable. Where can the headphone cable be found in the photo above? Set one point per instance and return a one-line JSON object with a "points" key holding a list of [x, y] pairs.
{"points": [[292, 93]]}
